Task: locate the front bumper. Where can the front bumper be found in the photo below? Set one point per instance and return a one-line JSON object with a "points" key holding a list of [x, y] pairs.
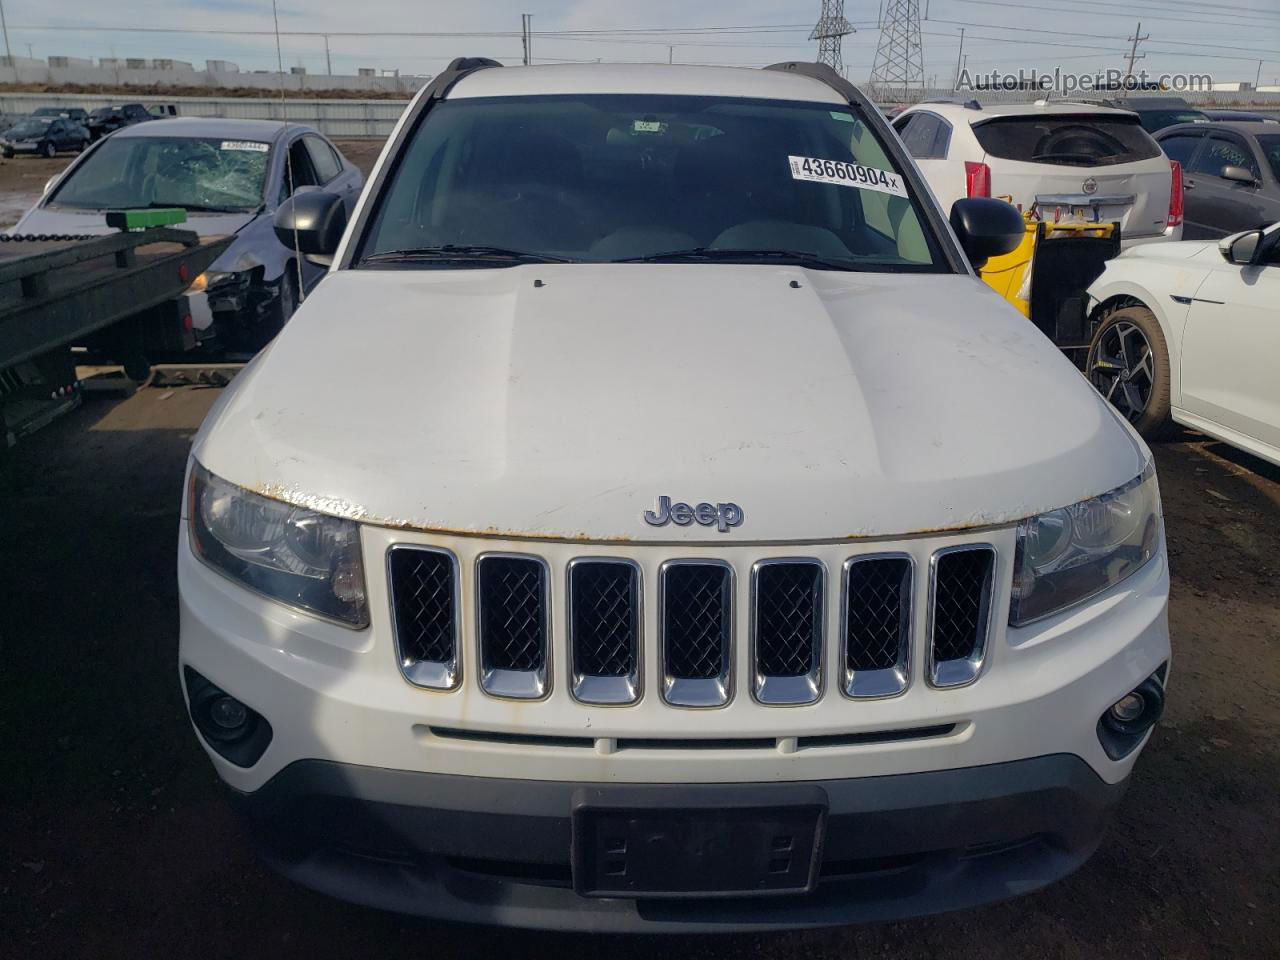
{"points": [[499, 851]]}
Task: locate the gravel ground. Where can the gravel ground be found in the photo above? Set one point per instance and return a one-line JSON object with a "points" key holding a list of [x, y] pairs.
{"points": [[115, 840]]}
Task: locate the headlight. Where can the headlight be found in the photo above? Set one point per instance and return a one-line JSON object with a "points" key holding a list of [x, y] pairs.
{"points": [[210, 278], [299, 557], [1068, 555]]}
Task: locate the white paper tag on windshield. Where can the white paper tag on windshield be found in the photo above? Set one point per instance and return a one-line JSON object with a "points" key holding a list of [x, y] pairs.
{"points": [[647, 126], [252, 145], [844, 174]]}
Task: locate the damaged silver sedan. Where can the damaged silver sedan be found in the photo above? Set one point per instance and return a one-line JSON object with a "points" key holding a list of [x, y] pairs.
{"points": [[229, 176]]}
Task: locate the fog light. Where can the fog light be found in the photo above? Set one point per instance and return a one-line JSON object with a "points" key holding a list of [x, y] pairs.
{"points": [[230, 714], [1128, 708], [1124, 724], [231, 729]]}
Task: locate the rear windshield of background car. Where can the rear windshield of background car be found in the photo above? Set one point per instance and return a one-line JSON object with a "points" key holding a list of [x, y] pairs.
{"points": [[1088, 140]]}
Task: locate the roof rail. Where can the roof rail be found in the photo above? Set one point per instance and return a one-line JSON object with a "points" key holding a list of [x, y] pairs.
{"points": [[970, 104], [824, 73]]}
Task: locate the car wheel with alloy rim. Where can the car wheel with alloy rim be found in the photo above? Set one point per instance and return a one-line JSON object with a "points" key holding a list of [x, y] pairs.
{"points": [[1129, 365]]}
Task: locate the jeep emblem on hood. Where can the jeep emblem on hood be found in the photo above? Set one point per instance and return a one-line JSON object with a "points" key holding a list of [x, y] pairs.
{"points": [[721, 515]]}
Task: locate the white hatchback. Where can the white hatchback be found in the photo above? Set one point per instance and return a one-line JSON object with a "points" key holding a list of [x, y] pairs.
{"points": [[1069, 161]]}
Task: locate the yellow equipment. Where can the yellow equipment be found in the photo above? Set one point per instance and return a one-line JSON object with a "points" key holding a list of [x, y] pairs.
{"points": [[1009, 275]]}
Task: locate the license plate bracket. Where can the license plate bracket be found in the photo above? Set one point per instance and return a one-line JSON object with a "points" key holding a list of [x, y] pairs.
{"points": [[703, 851]]}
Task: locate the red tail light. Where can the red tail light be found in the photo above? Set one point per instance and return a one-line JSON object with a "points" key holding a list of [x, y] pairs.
{"points": [[1175, 195], [977, 179]]}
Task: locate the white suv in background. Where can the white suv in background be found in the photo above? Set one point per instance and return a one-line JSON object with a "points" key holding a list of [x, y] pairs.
{"points": [[585, 552], [1071, 161]]}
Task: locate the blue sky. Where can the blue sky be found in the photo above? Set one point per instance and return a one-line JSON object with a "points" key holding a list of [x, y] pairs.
{"points": [[1203, 36]]}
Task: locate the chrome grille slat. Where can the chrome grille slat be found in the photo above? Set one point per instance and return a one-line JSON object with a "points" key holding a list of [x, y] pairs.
{"points": [[424, 610], [604, 616], [696, 621], [787, 617], [876, 625], [960, 594], [513, 624]]}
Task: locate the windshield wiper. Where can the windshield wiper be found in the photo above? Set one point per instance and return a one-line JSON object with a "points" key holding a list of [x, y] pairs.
{"points": [[699, 254], [191, 207], [461, 252]]}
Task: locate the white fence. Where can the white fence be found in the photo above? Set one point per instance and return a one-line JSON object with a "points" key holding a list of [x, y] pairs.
{"points": [[334, 118]]}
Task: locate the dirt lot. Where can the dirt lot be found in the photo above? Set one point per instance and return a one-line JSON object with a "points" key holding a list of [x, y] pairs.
{"points": [[115, 840]]}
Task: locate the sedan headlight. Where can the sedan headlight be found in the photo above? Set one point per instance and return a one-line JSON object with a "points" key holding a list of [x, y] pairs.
{"points": [[299, 557], [1066, 556], [208, 279]]}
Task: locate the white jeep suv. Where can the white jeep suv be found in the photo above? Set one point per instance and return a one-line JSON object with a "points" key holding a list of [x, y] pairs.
{"points": [[652, 523], [1068, 161]]}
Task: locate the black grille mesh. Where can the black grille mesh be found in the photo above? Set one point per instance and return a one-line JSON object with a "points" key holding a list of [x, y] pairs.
{"points": [[606, 608], [422, 589], [695, 620], [513, 620], [877, 613], [961, 600], [788, 607]]}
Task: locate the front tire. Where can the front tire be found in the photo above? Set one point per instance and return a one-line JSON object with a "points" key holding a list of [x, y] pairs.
{"points": [[8, 154], [1129, 365]]}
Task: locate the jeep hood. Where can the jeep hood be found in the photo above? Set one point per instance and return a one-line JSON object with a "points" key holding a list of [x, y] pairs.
{"points": [[853, 405]]}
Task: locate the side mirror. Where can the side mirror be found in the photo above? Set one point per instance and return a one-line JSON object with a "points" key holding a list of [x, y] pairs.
{"points": [[1238, 174], [986, 228], [316, 219], [1242, 249]]}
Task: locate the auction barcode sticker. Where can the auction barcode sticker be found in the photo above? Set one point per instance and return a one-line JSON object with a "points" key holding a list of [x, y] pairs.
{"points": [[845, 174], [252, 145]]}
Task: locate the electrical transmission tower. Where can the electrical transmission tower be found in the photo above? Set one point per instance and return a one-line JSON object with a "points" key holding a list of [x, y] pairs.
{"points": [[899, 62], [830, 32]]}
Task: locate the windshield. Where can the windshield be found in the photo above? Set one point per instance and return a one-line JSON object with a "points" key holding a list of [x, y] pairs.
{"points": [[624, 177], [193, 173], [48, 112], [1270, 144], [103, 112], [1153, 120], [31, 128]]}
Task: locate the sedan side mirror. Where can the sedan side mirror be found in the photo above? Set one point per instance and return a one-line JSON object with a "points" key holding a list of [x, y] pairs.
{"points": [[1242, 249], [1238, 174], [317, 221], [986, 228]]}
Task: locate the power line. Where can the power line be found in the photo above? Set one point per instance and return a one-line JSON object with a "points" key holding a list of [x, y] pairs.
{"points": [[1095, 36], [1121, 12]]}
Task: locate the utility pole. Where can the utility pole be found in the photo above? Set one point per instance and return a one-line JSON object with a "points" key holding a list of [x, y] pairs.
{"points": [[328, 64], [1257, 80], [526, 35], [671, 53], [1134, 56], [9, 53], [959, 54]]}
